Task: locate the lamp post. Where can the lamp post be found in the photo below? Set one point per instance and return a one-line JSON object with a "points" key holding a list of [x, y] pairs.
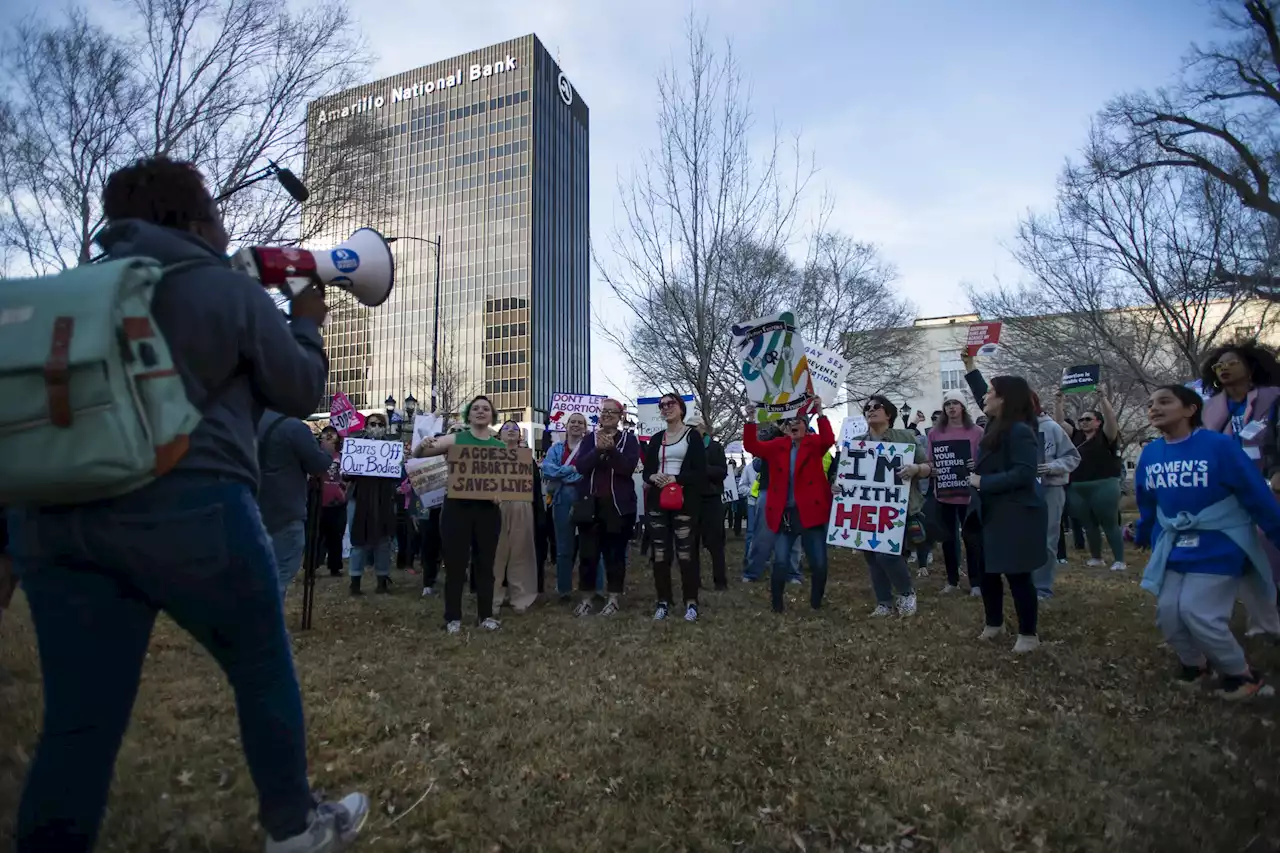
{"points": [[410, 406], [435, 311]]}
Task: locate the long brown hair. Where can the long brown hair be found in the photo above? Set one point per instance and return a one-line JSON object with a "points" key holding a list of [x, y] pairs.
{"points": [[1016, 406]]}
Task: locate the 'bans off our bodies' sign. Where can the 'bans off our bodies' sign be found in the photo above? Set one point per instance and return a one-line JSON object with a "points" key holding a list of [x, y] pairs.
{"points": [[869, 512], [482, 473], [370, 457]]}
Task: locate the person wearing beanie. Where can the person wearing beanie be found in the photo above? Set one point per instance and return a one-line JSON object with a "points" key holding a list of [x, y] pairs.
{"points": [[956, 424]]}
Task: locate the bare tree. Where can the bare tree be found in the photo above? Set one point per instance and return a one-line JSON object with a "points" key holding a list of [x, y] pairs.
{"points": [[223, 83], [702, 201], [455, 385]]}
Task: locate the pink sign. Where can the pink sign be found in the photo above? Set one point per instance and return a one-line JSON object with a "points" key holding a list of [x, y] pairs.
{"points": [[343, 416]]}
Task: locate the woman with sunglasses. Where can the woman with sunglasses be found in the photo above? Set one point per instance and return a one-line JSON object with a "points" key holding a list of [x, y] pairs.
{"points": [[675, 469], [1009, 505], [607, 462], [1094, 496], [1243, 378], [889, 572]]}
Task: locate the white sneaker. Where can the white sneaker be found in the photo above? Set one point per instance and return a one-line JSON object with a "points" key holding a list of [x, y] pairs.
{"points": [[491, 624], [691, 612], [881, 610], [991, 632], [1118, 566], [583, 608], [428, 591], [907, 605], [454, 627], [1062, 562], [333, 826], [660, 612], [922, 572], [1093, 563], [975, 592], [950, 589], [1026, 643], [929, 561], [610, 606]]}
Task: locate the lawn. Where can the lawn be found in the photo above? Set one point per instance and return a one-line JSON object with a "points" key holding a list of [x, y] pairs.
{"points": [[746, 732]]}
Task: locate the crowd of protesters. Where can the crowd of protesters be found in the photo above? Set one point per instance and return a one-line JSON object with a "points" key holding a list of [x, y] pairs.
{"points": [[199, 544]]}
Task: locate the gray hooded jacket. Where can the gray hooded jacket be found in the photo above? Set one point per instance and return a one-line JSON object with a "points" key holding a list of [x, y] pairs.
{"points": [[236, 352], [1060, 455]]}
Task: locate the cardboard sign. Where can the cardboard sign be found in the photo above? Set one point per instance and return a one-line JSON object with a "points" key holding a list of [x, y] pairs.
{"points": [[429, 478], [1081, 379], [869, 510], [484, 473], [949, 461], [371, 457], [774, 367], [984, 339], [649, 420], [829, 371], [343, 416], [563, 405], [730, 494]]}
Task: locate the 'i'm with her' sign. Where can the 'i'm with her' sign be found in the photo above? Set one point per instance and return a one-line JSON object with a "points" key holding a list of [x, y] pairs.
{"points": [[869, 510]]}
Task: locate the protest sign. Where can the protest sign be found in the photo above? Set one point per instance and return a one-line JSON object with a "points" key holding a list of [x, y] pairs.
{"points": [[829, 371], [370, 457], [949, 461], [869, 510], [482, 473], [730, 494], [734, 448], [649, 419], [772, 362], [984, 339], [343, 416], [429, 479], [1081, 379], [563, 405], [854, 427], [1197, 385], [426, 426]]}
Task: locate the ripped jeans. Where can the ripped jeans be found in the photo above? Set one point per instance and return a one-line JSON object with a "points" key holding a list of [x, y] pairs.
{"points": [[673, 535]]}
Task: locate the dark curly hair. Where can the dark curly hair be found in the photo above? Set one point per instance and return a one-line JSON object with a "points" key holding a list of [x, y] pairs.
{"points": [[158, 190], [1261, 360]]}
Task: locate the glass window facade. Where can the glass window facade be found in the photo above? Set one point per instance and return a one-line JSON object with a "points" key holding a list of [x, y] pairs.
{"points": [[488, 153]]}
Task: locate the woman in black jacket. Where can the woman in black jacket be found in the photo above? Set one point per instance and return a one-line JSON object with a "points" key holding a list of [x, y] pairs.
{"points": [[1008, 504], [675, 459]]}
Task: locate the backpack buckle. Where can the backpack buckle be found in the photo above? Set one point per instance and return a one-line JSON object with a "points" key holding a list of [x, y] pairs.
{"points": [[57, 376]]}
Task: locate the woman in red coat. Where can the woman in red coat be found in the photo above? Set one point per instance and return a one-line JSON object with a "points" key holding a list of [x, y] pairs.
{"points": [[799, 498]]}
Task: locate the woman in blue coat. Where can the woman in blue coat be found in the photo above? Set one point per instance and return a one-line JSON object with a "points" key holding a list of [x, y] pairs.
{"points": [[1008, 504]]}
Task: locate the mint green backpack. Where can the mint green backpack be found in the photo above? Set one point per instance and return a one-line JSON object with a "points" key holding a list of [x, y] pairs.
{"points": [[92, 405]]}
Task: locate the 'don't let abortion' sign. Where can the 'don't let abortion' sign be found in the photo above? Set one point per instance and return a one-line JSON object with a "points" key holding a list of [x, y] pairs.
{"points": [[370, 457]]}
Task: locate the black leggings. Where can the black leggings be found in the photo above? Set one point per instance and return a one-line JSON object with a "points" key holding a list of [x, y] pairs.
{"points": [[674, 536], [711, 537], [951, 517], [1023, 592], [608, 536], [473, 528], [333, 525]]}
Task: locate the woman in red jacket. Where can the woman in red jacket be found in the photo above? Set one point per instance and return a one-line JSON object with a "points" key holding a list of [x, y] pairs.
{"points": [[798, 505]]}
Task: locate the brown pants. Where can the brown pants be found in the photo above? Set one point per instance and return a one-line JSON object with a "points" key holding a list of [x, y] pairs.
{"points": [[515, 561]]}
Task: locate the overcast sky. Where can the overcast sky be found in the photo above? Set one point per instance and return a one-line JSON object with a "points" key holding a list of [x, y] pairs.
{"points": [[934, 123]]}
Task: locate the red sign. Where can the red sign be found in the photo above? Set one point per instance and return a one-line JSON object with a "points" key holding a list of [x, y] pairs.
{"points": [[984, 339]]}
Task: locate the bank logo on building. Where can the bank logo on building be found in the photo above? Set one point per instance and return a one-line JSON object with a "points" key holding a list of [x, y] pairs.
{"points": [[427, 87], [566, 90]]}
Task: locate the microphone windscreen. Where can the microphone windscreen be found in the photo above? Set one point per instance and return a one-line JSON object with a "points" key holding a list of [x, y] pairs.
{"points": [[292, 185]]}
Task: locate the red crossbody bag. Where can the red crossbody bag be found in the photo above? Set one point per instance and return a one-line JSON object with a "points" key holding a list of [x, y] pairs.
{"points": [[672, 495]]}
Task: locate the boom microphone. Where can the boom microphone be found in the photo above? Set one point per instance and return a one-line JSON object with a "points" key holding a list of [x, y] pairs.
{"points": [[362, 265], [292, 185]]}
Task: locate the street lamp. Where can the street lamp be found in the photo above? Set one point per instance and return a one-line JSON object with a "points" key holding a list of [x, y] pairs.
{"points": [[410, 406], [435, 312]]}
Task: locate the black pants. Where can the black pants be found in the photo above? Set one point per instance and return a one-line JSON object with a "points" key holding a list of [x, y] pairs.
{"points": [[608, 536], [333, 526], [473, 528], [951, 518], [711, 537], [406, 540], [674, 537], [739, 516], [1023, 592], [429, 547], [1063, 530]]}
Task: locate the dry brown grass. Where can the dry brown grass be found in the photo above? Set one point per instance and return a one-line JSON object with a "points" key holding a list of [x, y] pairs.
{"points": [[747, 732]]}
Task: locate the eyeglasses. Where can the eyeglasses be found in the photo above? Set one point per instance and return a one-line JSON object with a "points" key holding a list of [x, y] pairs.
{"points": [[871, 407], [668, 404], [610, 412], [1085, 420], [1220, 366]]}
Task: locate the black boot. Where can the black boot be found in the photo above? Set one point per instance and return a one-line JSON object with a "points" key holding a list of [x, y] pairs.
{"points": [[384, 584], [355, 585]]}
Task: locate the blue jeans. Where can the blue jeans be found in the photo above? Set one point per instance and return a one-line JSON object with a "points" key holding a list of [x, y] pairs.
{"points": [[566, 536], [763, 541], [814, 541], [381, 558], [288, 544], [95, 577]]}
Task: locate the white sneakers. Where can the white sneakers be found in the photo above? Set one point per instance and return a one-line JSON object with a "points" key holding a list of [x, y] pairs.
{"points": [[1093, 562], [990, 632], [1026, 643], [975, 592], [333, 827], [907, 605], [1118, 566], [491, 624], [583, 608], [881, 610], [950, 589], [454, 627]]}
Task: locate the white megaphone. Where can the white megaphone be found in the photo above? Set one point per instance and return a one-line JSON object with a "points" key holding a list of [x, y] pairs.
{"points": [[362, 265]]}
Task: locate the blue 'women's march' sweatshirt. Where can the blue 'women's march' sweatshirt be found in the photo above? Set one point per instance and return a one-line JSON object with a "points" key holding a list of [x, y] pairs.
{"points": [[1190, 475]]}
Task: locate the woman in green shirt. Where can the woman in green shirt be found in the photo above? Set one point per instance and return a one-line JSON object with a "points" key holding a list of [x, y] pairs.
{"points": [[473, 525]]}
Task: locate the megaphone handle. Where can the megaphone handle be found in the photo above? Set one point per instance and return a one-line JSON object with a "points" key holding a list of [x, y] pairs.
{"points": [[295, 284]]}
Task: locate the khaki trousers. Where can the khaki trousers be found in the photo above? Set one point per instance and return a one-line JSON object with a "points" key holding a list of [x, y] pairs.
{"points": [[515, 560]]}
